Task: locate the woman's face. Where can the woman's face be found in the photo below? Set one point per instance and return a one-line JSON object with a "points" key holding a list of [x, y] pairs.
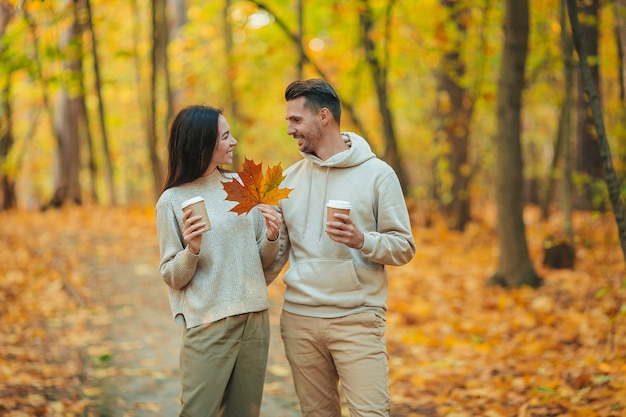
{"points": [[223, 153]]}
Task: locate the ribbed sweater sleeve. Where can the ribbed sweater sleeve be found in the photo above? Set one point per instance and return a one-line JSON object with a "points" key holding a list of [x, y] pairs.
{"points": [[177, 264]]}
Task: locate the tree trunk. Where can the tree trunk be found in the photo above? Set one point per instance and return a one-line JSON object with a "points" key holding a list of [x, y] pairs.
{"points": [[379, 76], [177, 19], [67, 184], [568, 75], [553, 170], [301, 55], [515, 268], [588, 161], [562, 153], [69, 119], [8, 198], [620, 29], [562, 147], [233, 102], [163, 62], [158, 41], [108, 165], [594, 101], [79, 7], [453, 110]]}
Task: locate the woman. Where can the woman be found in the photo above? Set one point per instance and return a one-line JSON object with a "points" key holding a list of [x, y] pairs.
{"points": [[217, 288]]}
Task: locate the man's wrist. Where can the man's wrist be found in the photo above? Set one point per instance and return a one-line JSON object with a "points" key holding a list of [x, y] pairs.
{"points": [[362, 241]]}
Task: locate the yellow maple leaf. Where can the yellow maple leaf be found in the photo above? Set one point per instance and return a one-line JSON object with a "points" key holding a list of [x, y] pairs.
{"points": [[257, 188]]}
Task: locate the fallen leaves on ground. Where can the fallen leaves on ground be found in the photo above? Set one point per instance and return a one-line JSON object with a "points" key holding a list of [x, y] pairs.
{"points": [[461, 348], [52, 335], [457, 346]]}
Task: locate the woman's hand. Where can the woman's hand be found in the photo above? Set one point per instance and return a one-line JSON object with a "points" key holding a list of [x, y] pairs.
{"points": [[273, 220], [192, 231]]}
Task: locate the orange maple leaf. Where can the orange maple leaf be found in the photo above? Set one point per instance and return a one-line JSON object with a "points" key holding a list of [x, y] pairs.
{"points": [[257, 188]]}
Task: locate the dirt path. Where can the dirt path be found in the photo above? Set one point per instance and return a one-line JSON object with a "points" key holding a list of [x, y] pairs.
{"points": [[142, 373]]}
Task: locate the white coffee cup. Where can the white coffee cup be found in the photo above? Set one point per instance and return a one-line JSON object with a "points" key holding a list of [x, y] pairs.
{"points": [[198, 208], [337, 206]]}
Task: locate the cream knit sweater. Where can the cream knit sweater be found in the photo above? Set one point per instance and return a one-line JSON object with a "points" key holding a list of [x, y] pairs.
{"points": [[226, 278]]}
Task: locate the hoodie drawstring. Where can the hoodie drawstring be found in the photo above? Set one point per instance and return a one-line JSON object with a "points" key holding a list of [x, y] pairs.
{"points": [[310, 200], [323, 225], [306, 210]]}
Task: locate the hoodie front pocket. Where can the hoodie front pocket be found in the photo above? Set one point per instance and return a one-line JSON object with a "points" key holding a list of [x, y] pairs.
{"points": [[321, 282]]}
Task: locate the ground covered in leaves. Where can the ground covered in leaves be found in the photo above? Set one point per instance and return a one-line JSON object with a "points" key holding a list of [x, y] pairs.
{"points": [[458, 347]]}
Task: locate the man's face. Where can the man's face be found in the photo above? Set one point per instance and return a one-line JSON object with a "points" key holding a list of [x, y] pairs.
{"points": [[303, 125]]}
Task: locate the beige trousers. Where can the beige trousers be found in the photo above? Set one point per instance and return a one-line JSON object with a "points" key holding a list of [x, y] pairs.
{"points": [[222, 367], [351, 350]]}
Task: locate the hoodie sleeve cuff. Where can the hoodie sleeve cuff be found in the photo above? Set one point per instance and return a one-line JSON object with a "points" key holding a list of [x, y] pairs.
{"points": [[368, 244]]}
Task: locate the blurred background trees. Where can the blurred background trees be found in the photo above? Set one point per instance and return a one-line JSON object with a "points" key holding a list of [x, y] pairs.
{"points": [[88, 88]]}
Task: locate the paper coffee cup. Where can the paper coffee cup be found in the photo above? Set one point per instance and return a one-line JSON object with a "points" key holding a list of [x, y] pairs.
{"points": [[337, 206], [198, 208]]}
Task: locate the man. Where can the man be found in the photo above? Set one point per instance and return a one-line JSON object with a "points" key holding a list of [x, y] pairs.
{"points": [[333, 319]]}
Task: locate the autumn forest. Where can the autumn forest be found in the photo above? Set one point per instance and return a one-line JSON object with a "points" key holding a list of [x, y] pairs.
{"points": [[505, 121]]}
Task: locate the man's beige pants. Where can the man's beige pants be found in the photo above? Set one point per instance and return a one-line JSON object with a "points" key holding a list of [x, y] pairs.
{"points": [[222, 366], [349, 349]]}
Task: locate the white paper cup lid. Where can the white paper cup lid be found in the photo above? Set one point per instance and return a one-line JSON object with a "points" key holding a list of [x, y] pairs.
{"points": [[339, 204], [190, 201]]}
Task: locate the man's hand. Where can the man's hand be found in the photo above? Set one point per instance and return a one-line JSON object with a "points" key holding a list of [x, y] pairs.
{"points": [[343, 230]]}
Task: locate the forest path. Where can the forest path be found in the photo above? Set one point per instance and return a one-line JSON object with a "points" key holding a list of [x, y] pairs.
{"points": [[142, 345]]}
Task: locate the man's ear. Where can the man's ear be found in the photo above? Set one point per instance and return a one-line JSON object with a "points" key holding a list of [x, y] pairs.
{"points": [[324, 115]]}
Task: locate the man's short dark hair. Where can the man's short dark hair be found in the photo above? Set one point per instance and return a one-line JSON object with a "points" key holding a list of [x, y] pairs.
{"points": [[318, 94]]}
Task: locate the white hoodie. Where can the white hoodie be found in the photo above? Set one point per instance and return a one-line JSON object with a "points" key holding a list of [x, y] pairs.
{"points": [[326, 278]]}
